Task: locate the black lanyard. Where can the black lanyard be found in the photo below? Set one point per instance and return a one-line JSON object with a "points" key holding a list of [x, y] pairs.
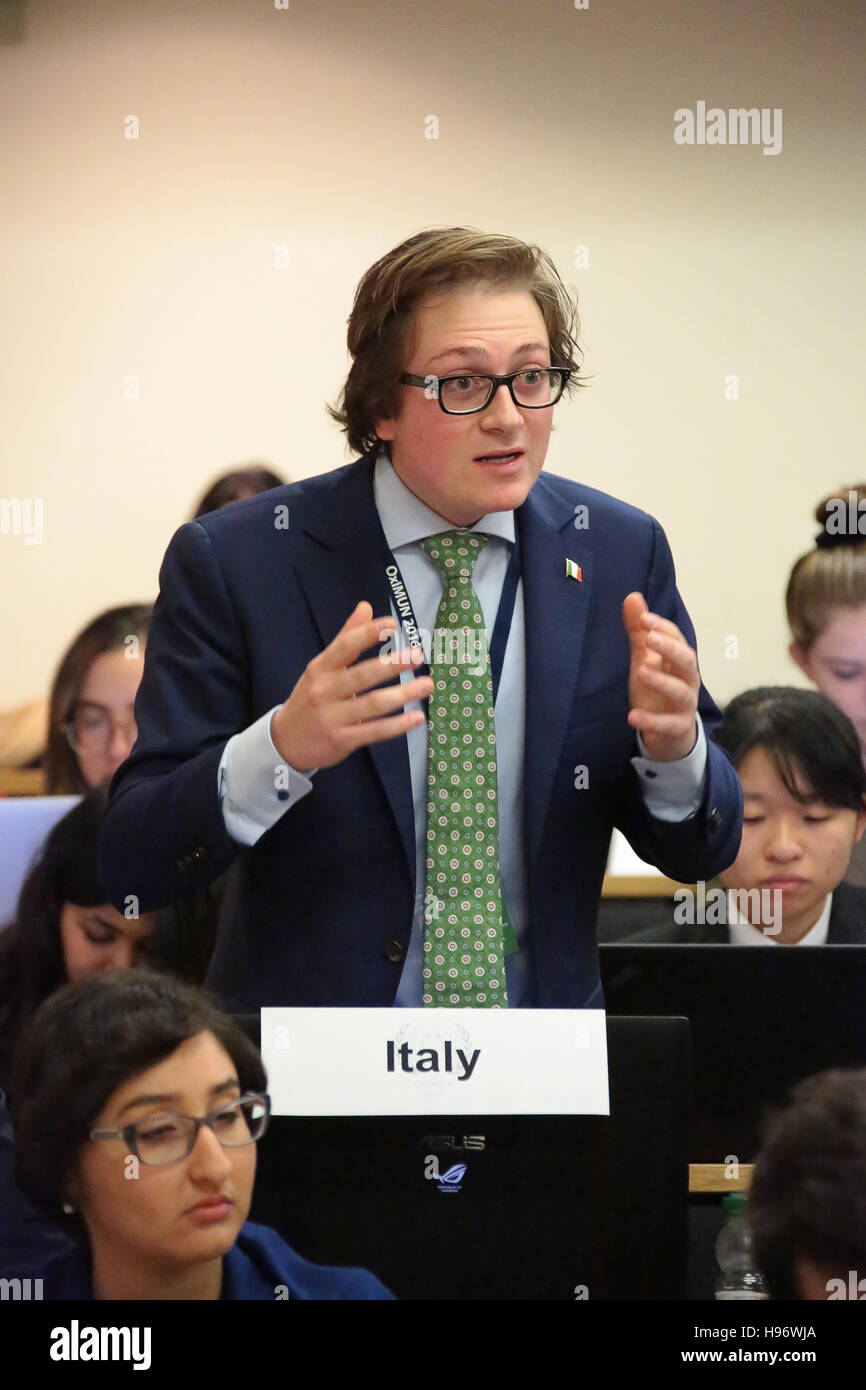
{"points": [[501, 628]]}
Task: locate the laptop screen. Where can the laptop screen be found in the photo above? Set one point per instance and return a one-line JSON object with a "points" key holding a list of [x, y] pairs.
{"points": [[504, 1206], [762, 1019]]}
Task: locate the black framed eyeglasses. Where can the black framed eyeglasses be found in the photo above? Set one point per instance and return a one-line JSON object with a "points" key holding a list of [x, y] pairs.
{"points": [[532, 388], [164, 1139]]}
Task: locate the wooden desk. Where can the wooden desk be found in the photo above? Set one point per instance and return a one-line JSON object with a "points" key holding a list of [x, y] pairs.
{"points": [[22, 781], [710, 1177], [640, 886]]}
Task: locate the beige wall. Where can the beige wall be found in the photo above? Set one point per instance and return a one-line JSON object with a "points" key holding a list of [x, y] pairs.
{"points": [[306, 128]]}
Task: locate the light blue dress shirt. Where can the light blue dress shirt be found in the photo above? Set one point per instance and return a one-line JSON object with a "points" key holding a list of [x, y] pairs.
{"points": [[672, 791]]}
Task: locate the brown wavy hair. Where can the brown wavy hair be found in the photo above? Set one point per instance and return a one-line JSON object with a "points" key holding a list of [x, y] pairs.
{"points": [[105, 633], [441, 258]]}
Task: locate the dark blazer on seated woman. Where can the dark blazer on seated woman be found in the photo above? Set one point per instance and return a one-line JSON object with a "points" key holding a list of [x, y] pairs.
{"points": [[260, 1266], [28, 1238], [847, 925], [132, 1074]]}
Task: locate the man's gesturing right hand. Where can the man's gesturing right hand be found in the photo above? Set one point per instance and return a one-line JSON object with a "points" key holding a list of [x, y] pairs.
{"points": [[326, 717]]}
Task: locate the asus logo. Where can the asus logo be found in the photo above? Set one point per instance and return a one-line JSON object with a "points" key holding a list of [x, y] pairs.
{"points": [[452, 1142]]}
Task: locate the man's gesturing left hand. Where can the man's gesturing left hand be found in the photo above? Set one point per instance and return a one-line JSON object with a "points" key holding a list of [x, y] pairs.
{"points": [[663, 683]]}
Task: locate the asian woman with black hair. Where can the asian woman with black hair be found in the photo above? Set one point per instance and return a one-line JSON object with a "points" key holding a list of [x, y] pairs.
{"points": [[804, 787]]}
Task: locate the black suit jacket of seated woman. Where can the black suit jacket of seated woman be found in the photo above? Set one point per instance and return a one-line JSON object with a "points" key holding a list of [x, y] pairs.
{"points": [[27, 1238], [847, 925]]}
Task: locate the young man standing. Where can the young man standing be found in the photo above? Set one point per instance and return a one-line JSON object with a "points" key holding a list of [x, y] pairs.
{"points": [[439, 838]]}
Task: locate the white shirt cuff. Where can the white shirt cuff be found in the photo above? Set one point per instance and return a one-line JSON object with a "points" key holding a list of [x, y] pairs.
{"points": [[673, 791], [256, 787]]}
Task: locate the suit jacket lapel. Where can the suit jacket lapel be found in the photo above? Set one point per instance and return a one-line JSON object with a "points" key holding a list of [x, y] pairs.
{"points": [[556, 607], [847, 924], [341, 561]]}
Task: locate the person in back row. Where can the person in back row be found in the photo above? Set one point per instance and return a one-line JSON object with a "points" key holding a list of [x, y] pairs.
{"points": [[91, 720], [825, 602], [64, 930], [82, 732], [804, 790], [137, 1108], [236, 486], [807, 1203]]}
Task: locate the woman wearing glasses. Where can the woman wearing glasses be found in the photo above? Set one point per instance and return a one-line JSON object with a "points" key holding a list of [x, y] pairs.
{"points": [[66, 930], [91, 726], [137, 1108]]}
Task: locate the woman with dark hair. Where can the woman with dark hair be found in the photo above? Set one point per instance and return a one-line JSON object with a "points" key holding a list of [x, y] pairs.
{"points": [[807, 1202], [64, 927], [804, 791], [64, 930], [804, 788], [235, 486], [133, 1075], [91, 724]]}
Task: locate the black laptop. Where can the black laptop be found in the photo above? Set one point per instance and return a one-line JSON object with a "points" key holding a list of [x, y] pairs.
{"points": [[500, 1207], [762, 1018]]}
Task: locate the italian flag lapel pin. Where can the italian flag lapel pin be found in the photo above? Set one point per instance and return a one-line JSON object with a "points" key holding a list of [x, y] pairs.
{"points": [[572, 571]]}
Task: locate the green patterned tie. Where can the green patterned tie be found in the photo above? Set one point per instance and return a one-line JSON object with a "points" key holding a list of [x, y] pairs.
{"points": [[464, 959]]}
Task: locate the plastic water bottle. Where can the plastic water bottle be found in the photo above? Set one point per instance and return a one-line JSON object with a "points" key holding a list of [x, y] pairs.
{"points": [[739, 1275]]}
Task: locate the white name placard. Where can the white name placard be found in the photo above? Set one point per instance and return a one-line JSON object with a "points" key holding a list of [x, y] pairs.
{"points": [[436, 1061]]}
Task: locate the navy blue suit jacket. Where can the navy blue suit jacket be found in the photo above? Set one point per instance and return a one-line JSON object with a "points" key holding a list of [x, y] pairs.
{"points": [[319, 911], [258, 1264]]}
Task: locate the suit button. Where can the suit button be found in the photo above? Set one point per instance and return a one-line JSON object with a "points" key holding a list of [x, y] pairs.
{"points": [[715, 819], [394, 952], [188, 862]]}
